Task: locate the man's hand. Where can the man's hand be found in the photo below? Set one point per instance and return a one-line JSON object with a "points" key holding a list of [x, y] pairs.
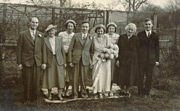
{"points": [[43, 66], [157, 63], [91, 66], [20, 67], [117, 63], [71, 64], [65, 65]]}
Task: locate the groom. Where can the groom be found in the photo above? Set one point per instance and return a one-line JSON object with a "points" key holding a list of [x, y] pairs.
{"points": [[148, 57], [79, 57]]}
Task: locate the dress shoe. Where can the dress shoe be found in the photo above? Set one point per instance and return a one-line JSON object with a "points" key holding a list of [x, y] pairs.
{"points": [[128, 94], [75, 97], [100, 96], [111, 93], [147, 96], [60, 98], [63, 94], [106, 94], [122, 93], [50, 96], [141, 96], [67, 93], [84, 96], [95, 96]]}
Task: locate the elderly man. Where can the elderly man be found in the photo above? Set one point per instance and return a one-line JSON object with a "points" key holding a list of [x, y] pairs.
{"points": [[148, 56], [30, 58]]}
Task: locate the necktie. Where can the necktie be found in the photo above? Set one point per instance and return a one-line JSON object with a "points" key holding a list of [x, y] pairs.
{"points": [[33, 35], [84, 38], [149, 34]]}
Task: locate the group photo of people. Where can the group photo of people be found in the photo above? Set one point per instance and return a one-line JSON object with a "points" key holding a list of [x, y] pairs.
{"points": [[88, 55], [81, 65]]}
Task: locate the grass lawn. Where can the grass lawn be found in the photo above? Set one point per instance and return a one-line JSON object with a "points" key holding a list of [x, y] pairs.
{"points": [[11, 100]]}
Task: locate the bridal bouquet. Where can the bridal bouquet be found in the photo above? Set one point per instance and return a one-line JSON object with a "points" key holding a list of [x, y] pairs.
{"points": [[109, 52]]}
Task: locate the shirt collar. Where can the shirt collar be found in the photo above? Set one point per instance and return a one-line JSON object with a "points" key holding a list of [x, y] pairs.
{"points": [[84, 34], [148, 32], [129, 36], [52, 37], [32, 30], [69, 33]]}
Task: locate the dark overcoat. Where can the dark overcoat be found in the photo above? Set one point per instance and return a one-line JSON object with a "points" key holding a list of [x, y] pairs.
{"points": [[128, 58]]}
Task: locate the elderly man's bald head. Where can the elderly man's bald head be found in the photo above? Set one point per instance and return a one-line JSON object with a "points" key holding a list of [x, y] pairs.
{"points": [[34, 18], [34, 23]]}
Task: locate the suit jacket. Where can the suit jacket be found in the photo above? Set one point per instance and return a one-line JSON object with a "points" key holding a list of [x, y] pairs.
{"points": [[30, 52], [148, 48], [128, 50], [78, 50], [60, 54]]}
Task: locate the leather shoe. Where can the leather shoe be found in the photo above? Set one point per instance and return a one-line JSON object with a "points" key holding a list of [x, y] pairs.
{"points": [[84, 96], [75, 97], [100, 96], [147, 96], [60, 98], [50, 96]]}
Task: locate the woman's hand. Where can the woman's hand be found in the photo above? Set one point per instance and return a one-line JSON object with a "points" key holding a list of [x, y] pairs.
{"points": [[91, 66], [117, 63], [71, 64], [157, 63], [20, 67], [43, 66]]}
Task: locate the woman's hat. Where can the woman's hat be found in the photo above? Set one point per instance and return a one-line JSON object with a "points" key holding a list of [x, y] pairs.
{"points": [[70, 21], [100, 26], [51, 26], [112, 24]]}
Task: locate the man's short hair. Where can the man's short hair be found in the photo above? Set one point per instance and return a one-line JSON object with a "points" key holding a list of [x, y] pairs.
{"points": [[148, 19], [85, 21]]}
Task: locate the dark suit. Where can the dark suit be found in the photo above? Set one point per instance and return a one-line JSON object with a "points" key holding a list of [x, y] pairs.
{"points": [[80, 54], [30, 54], [148, 55]]}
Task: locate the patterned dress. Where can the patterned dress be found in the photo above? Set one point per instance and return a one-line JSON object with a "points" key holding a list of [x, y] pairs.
{"points": [[66, 39]]}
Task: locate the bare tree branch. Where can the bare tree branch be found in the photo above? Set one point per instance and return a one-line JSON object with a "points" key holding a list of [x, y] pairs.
{"points": [[139, 4], [133, 5], [62, 2]]}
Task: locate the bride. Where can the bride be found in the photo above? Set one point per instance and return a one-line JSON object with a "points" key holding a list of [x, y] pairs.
{"points": [[101, 67]]}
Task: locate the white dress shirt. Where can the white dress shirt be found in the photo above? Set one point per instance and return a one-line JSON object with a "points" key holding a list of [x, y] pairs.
{"points": [[52, 42], [84, 36], [33, 33], [148, 33], [129, 37]]}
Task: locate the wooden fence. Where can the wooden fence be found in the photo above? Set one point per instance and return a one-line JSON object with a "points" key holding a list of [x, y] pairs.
{"points": [[14, 18]]}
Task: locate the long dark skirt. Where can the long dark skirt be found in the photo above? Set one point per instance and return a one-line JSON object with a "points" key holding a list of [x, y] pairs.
{"points": [[31, 82], [127, 75], [54, 75]]}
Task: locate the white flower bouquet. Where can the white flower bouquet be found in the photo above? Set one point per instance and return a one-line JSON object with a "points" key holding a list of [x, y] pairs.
{"points": [[109, 52]]}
